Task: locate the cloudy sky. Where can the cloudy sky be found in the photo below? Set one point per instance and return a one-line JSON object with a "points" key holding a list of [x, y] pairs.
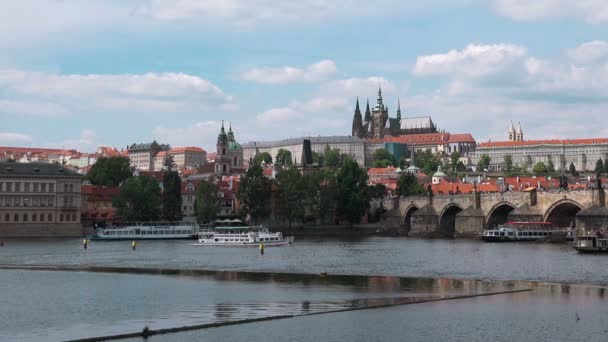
{"points": [[79, 74]]}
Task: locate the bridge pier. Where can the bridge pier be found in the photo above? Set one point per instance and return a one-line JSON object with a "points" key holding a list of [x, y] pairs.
{"points": [[469, 223]]}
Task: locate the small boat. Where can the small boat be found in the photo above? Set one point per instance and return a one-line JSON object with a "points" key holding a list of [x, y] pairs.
{"points": [[523, 231], [149, 231], [242, 236], [591, 243]]}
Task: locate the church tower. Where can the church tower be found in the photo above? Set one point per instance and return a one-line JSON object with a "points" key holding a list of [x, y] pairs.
{"points": [[379, 118], [358, 122], [511, 132], [368, 113], [519, 136], [222, 160], [399, 110]]}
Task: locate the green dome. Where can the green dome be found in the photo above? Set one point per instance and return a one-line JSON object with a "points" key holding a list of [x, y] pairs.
{"points": [[234, 146]]}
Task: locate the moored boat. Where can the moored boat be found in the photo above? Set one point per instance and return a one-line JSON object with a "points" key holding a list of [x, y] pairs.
{"points": [[591, 243], [148, 231], [242, 236], [523, 231]]}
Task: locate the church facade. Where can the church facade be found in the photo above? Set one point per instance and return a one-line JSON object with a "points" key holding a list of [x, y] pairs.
{"points": [[229, 157], [376, 123]]}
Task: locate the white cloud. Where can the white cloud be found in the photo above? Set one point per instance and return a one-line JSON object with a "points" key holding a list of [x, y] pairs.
{"points": [[591, 52], [593, 11], [33, 109], [277, 116], [473, 61], [9, 138], [203, 133], [352, 87], [52, 94], [86, 142], [314, 72]]}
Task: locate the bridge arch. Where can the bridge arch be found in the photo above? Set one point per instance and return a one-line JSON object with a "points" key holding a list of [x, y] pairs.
{"points": [[406, 221], [563, 212], [499, 213], [447, 220]]}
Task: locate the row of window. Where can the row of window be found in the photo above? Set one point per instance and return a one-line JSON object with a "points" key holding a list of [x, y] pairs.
{"points": [[38, 217], [27, 187], [20, 201]]}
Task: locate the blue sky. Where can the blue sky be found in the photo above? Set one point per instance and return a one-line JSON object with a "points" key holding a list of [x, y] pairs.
{"points": [[78, 74]]}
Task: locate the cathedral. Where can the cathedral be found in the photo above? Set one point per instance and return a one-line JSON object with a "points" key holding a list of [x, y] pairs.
{"points": [[377, 124], [229, 157]]}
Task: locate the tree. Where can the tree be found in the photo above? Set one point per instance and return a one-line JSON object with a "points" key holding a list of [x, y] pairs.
{"points": [[322, 192], [317, 158], [292, 193], [331, 157], [383, 158], [572, 169], [110, 171], [205, 205], [599, 167], [460, 167], [509, 164], [172, 196], [550, 167], [264, 156], [255, 193], [284, 157], [454, 159], [139, 199], [408, 185], [352, 195], [428, 161], [377, 191], [540, 169], [169, 163], [484, 162]]}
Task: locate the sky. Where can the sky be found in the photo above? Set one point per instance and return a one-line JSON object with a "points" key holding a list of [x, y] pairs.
{"points": [[82, 74]]}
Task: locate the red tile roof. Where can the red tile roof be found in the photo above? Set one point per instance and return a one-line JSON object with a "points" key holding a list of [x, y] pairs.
{"points": [[428, 138], [382, 169], [544, 142], [100, 193], [446, 187], [28, 149], [186, 149]]}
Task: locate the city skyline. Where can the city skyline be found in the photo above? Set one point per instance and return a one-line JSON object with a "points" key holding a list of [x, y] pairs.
{"points": [[80, 76]]}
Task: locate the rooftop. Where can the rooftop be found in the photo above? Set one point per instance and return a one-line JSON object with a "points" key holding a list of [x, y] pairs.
{"points": [[186, 149], [35, 169], [298, 141], [591, 141]]}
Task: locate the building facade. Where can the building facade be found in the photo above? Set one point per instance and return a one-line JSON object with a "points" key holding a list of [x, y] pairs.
{"points": [[229, 157], [39, 199], [142, 156], [377, 124], [189, 156], [582, 153]]}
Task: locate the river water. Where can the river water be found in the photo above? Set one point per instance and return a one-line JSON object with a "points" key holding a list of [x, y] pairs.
{"points": [[59, 305]]}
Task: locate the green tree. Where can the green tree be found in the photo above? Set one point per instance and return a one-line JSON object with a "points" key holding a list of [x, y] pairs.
{"points": [[454, 159], [292, 193], [169, 163], [317, 158], [139, 199], [172, 196], [264, 156], [572, 169], [484, 162], [428, 161], [383, 158], [255, 191], [509, 164], [599, 167], [460, 167], [408, 185], [377, 191], [550, 167], [109, 171], [206, 205], [332, 157], [352, 196], [322, 193], [284, 157], [540, 169]]}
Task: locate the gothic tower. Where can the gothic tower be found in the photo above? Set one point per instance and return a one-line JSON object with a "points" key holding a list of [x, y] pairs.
{"points": [[511, 132], [379, 118], [399, 110], [368, 113], [519, 136], [358, 122]]}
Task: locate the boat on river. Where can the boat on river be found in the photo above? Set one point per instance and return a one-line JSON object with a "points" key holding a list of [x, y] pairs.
{"points": [[524, 231], [242, 236], [149, 231], [594, 242]]}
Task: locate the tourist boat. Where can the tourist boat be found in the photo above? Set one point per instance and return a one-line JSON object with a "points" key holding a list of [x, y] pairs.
{"points": [[523, 231], [591, 243], [242, 236], [149, 231]]}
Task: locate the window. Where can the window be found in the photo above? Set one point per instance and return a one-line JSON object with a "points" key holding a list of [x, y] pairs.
{"points": [[24, 217], [9, 187], [17, 187], [71, 187], [73, 217], [65, 188], [51, 187], [41, 217], [26, 187], [42, 187], [1, 186], [34, 217], [36, 186], [16, 217], [61, 218], [50, 218]]}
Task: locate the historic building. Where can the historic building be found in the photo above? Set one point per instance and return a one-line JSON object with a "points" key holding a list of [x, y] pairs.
{"points": [[188, 156], [39, 199], [582, 153], [143, 156], [377, 124], [229, 157]]}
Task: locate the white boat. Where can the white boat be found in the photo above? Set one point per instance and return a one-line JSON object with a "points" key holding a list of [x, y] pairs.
{"points": [[150, 231], [523, 231], [242, 236], [593, 242]]}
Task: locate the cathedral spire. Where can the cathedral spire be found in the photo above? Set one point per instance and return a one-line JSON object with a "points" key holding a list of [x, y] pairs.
{"points": [[368, 113], [379, 104], [230, 133], [357, 122], [222, 136], [398, 110]]}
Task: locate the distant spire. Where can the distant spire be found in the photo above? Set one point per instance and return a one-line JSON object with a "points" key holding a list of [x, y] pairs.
{"points": [[357, 106], [368, 114], [512, 128], [230, 133], [379, 104], [398, 110]]}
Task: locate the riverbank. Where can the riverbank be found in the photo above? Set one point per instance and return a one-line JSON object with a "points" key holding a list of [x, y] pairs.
{"points": [[359, 230]]}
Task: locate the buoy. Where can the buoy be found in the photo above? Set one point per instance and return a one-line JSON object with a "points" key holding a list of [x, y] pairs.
{"points": [[133, 244], [261, 248], [84, 243]]}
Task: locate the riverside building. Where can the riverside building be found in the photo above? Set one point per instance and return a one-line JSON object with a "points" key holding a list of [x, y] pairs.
{"points": [[39, 199]]}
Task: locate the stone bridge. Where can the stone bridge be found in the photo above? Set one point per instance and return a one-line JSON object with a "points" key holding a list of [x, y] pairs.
{"points": [[466, 215]]}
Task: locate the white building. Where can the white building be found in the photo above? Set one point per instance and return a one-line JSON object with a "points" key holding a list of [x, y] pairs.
{"points": [[142, 156]]}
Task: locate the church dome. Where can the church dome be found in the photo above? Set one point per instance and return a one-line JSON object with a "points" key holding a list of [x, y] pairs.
{"points": [[234, 146]]}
